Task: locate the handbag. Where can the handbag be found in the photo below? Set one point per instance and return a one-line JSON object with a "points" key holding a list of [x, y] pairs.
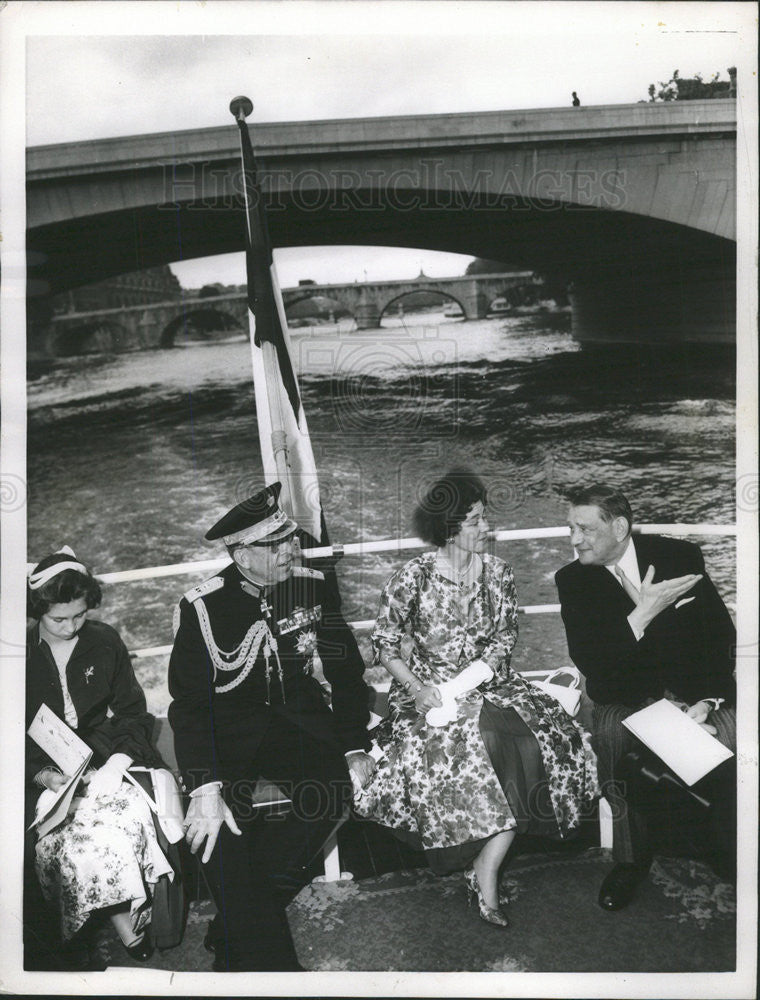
{"points": [[170, 898], [568, 695], [169, 809], [166, 804]]}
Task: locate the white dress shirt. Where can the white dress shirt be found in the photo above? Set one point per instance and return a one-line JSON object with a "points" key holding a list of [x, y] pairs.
{"points": [[629, 564]]}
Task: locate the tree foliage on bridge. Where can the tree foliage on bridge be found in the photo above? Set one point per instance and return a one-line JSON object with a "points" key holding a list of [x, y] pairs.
{"points": [[482, 266], [693, 88]]}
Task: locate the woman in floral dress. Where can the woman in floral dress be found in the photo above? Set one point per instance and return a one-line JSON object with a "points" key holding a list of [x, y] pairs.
{"points": [[105, 855], [513, 760]]}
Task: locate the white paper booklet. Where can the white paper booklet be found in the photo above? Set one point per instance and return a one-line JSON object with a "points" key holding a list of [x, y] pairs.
{"points": [[679, 741], [70, 753], [58, 741]]}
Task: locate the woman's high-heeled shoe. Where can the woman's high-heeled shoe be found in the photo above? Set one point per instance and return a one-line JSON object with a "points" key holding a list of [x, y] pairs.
{"points": [[487, 913], [141, 950]]}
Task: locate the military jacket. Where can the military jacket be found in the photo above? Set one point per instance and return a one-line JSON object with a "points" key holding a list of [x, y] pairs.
{"points": [[218, 715]]}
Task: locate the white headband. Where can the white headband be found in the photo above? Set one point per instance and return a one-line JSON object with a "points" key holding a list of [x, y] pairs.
{"points": [[37, 580]]}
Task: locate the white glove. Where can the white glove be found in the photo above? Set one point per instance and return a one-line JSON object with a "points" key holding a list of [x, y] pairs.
{"points": [[107, 779], [467, 679]]}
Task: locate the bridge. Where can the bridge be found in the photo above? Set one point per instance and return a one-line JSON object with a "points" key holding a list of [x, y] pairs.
{"points": [[158, 324], [635, 205]]}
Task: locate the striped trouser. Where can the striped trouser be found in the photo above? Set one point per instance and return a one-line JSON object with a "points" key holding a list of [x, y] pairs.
{"points": [[611, 741]]}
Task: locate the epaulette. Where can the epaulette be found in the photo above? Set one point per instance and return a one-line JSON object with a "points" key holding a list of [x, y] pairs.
{"points": [[304, 571], [207, 587]]}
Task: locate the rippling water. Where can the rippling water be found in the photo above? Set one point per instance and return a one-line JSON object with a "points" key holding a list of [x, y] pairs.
{"points": [[132, 457]]}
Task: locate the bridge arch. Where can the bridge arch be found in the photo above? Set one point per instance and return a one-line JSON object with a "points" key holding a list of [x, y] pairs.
{"points": [[202, 323], [101, 336], [437, 182], [333, 305], [444, 296], [543, 234], [636, 200]]}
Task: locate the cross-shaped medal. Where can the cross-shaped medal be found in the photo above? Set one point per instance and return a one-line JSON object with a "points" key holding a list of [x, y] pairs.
{"points": [[266, 609]]}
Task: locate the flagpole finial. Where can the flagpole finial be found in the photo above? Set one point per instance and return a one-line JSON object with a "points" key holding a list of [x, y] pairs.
{"points": [[241, 107]]}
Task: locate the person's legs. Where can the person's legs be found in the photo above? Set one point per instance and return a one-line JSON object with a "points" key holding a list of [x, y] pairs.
{"points": [[249, 931], [488, 863], [719, 787], [611, 741], [315, 777], [137, 945], [630, 844], [122, 923], [255, 875]]}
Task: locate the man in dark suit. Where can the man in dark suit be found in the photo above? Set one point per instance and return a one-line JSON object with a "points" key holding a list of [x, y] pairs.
{"points": [[246, 706], [644, 622]]}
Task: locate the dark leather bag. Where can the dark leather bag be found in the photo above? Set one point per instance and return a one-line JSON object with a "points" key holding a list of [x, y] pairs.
{"points": [[170, 898]]}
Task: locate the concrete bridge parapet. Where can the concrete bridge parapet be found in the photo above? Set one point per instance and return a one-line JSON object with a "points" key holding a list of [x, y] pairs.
{"points": [[368, 301], [157, 324], [620, 191]]}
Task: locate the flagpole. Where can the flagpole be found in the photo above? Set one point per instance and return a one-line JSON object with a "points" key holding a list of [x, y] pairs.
{"points": [[241, 108], [283, 435]]}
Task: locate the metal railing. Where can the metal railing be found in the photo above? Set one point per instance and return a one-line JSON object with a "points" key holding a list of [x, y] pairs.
{"points": [[394, 545]]}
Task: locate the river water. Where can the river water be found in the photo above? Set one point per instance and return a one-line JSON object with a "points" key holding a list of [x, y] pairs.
{"points": [[132, 457]]}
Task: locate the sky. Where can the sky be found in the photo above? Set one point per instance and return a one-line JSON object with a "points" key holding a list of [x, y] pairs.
{"points": [[166, 67]]}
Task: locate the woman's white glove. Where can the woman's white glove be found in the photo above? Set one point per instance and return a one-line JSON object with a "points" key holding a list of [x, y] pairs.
{"points": [[107, 779], [467, 679]]}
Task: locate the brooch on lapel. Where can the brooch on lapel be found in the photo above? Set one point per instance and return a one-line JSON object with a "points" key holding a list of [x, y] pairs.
{"points": [[89, 672]]}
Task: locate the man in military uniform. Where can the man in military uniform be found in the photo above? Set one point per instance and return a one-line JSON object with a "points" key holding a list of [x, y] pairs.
{"points": [[246, 706]]}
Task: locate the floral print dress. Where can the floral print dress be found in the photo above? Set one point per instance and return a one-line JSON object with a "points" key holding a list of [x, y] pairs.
{"points": [[440, 782], [103, 854]]}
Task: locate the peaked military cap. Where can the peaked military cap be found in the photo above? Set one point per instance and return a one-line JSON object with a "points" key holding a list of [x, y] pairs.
{"points": [[258, 517]]}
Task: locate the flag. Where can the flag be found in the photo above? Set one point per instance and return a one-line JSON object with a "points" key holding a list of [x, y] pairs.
{"points": [[286, 451]]}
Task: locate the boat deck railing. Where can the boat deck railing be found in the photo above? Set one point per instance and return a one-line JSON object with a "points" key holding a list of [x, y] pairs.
{"points": [[394, 545]]}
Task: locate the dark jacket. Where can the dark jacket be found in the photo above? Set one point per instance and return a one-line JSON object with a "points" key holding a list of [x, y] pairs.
{"points": [[215, 731], [99, 677], [688, 650]]}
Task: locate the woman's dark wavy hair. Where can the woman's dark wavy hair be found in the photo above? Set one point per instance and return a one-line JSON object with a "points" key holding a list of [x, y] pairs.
{"points": [[439, 515], [67, 586]]}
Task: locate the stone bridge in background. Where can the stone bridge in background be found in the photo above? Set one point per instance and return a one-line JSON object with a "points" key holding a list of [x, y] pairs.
{"points": [[633, 204], [158, 324]]}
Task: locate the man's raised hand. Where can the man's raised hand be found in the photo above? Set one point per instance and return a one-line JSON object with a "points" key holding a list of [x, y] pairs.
{"points": [[656, 597], [204, 819]]}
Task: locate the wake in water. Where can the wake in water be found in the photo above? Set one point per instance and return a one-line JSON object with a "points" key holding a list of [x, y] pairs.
{"points": [[131, 457]]}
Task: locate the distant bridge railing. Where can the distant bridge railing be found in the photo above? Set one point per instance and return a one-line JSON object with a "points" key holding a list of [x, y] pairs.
{"points": [[393, 545]]}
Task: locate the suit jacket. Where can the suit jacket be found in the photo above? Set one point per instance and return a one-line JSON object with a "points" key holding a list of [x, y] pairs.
{"points": [[217, 731], [688, 650]]}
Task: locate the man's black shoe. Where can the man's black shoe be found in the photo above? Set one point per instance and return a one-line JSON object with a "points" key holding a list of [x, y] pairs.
{"points": [[619, 886]]}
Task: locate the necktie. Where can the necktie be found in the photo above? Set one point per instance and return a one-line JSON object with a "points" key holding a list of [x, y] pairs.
{"points": [[628, 587]]}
